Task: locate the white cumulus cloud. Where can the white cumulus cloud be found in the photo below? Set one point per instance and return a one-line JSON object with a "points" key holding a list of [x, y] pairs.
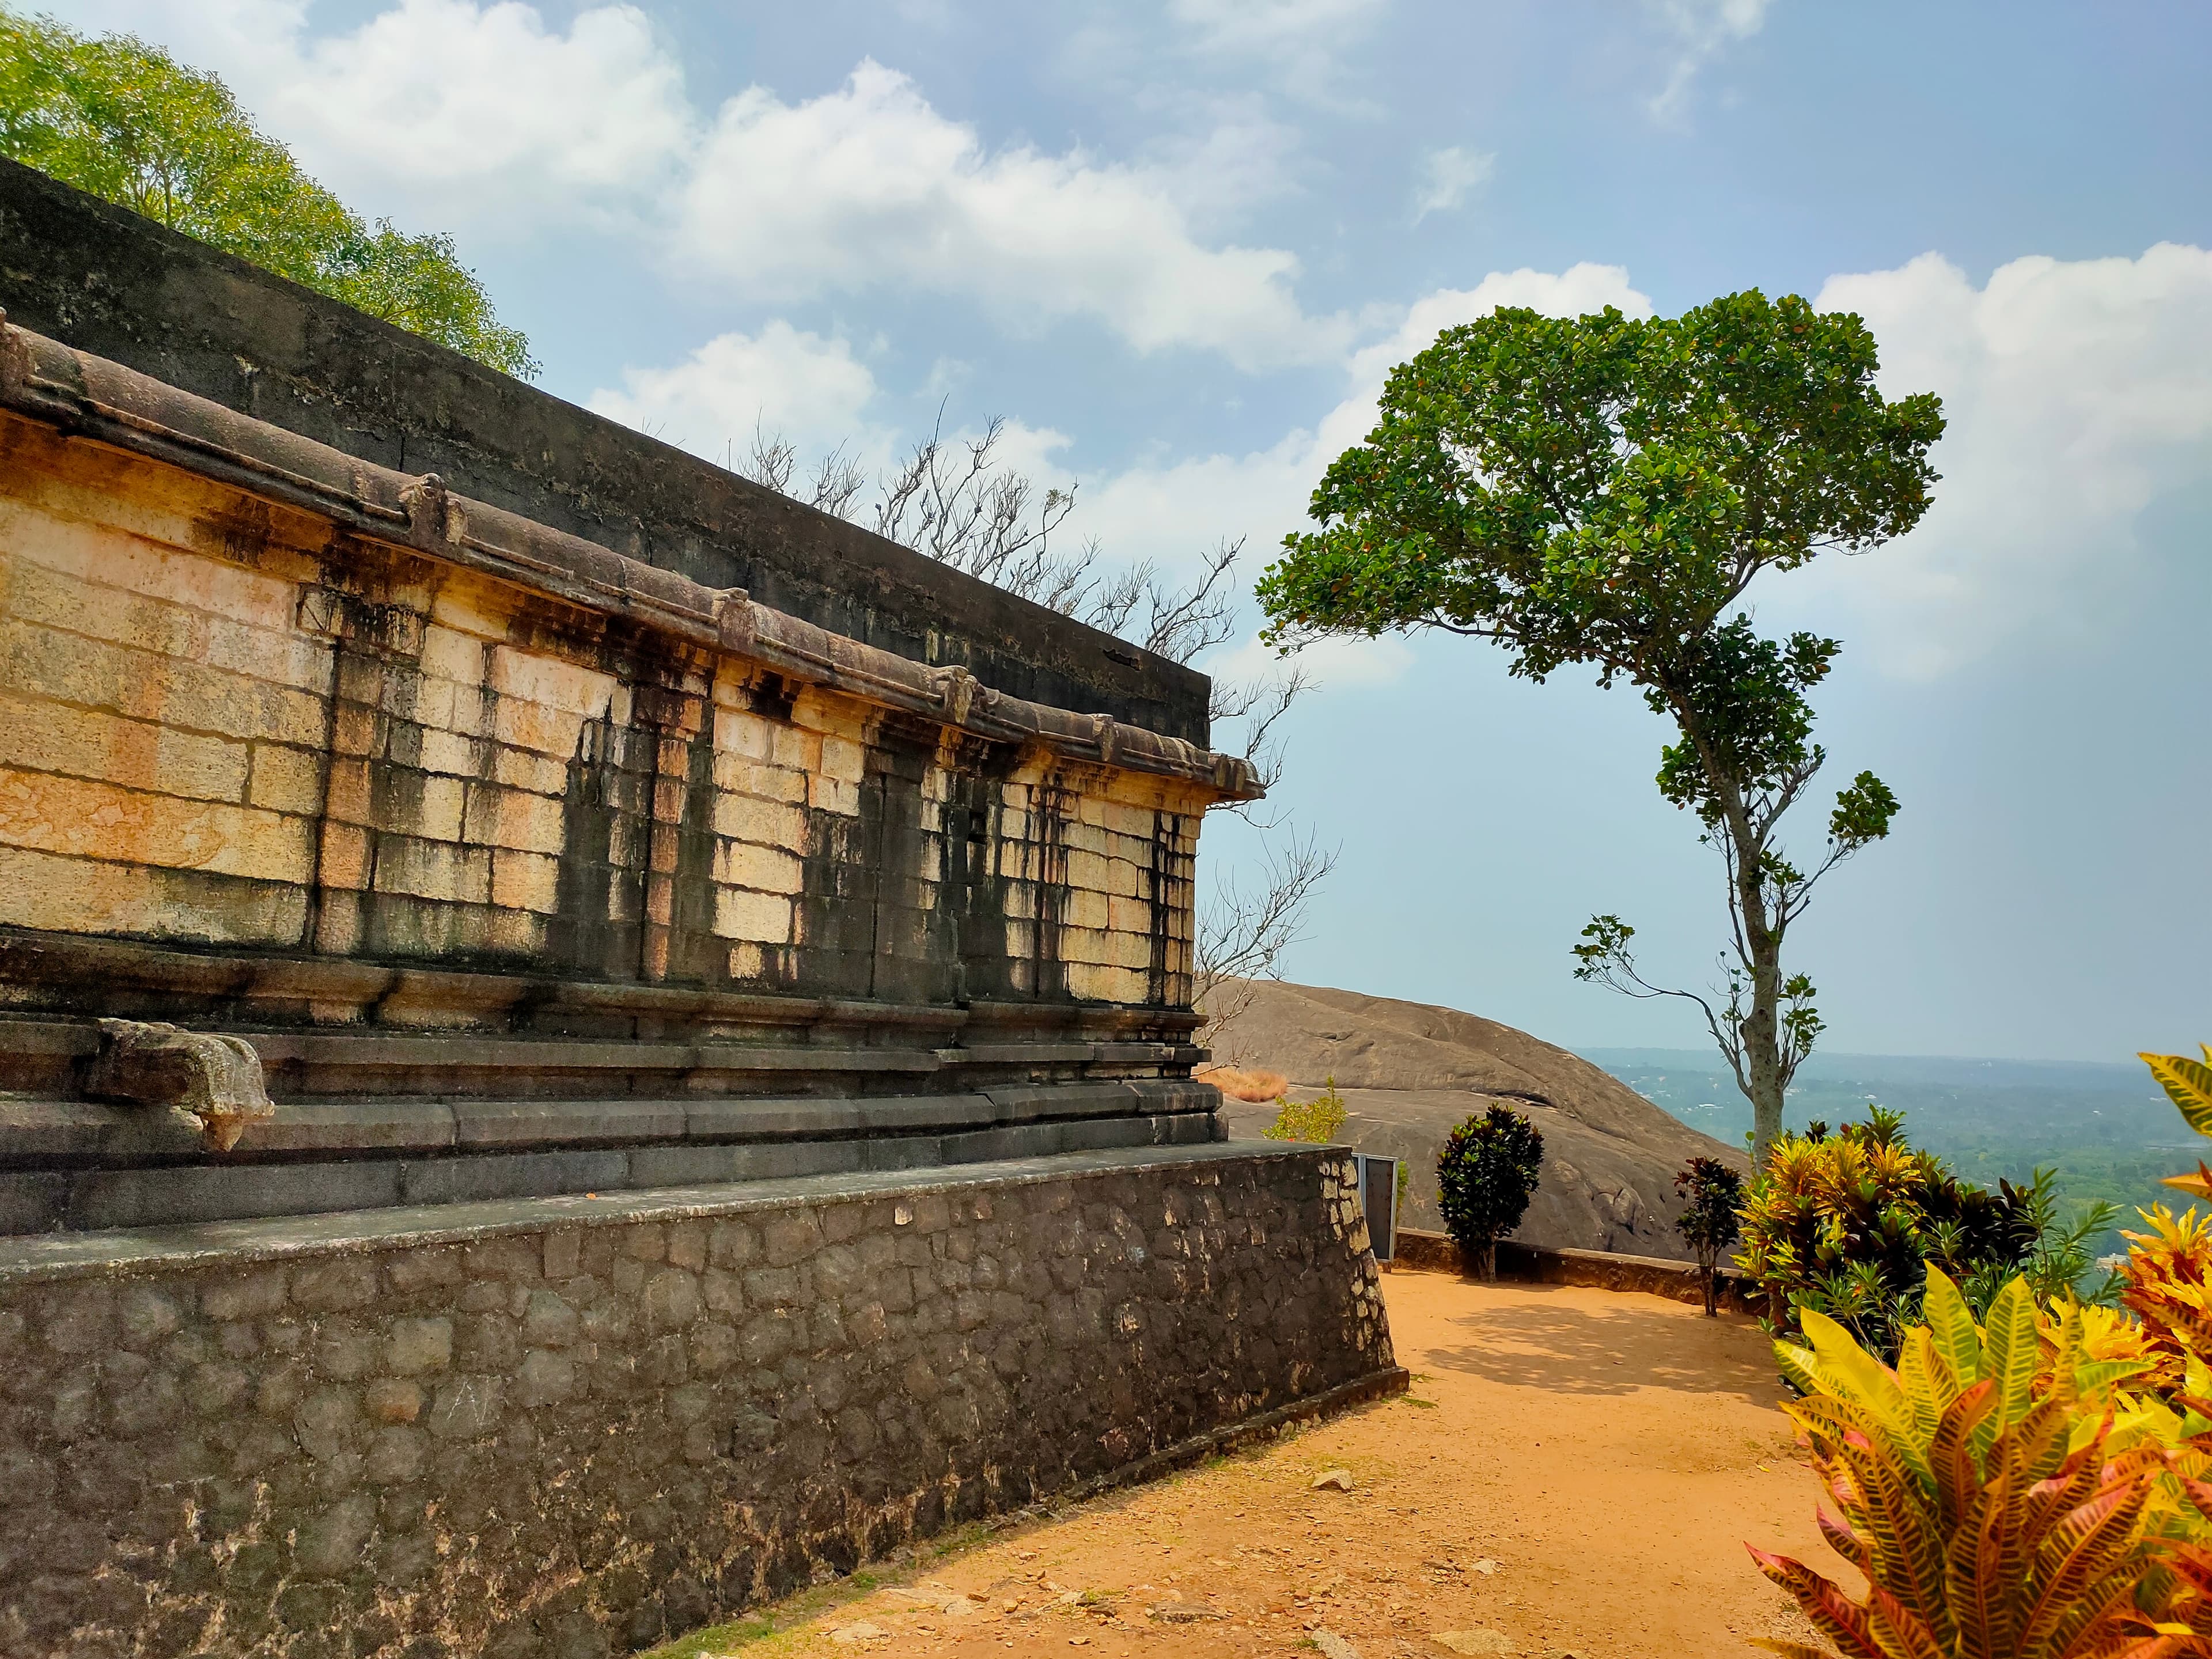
{"points": [[482, 117], [2078, 394], [1449, 177], [1700, 29], [451, 111], [780, 382], [870, 187]]}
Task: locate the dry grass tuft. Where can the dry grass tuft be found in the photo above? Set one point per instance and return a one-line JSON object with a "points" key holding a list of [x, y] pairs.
{"points": [[1241, 1083]]}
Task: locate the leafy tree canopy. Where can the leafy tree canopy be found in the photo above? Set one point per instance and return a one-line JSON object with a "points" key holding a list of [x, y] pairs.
{"points": [[123, 120], [1601, 490]]}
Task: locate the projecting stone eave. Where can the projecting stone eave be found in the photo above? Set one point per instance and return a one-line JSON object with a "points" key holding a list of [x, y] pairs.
{"points": [[91, 398]]}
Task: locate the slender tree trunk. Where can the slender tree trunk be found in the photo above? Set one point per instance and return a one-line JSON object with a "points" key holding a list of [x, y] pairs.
{"points": [[1761, 1027]]}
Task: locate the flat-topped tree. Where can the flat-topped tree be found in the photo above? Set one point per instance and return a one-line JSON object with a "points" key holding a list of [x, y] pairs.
{"points": [[1603, 490]]}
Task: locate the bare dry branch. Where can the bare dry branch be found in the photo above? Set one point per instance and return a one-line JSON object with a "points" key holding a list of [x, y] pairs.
{"points": [[1244, 927], [954, 499]]}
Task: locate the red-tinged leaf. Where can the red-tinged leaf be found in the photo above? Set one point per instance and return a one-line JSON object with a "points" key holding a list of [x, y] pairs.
{"points": [[1901, 1629], [2132, 1647], [1980, 1603], [2200, 1492], [2092, 1541], [1846, 1543], [1842, 1620], [1908, 1548], [2103, 1616]]}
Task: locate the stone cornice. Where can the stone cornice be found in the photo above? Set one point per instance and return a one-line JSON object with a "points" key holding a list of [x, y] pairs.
{"points": [[88, 397]]}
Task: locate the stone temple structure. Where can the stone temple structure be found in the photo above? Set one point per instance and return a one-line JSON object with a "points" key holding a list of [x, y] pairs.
{"points": [[580, 1045]]}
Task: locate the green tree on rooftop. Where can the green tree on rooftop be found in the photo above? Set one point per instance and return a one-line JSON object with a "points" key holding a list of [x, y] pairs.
{"points": [[125, 121], [1602, 492]]}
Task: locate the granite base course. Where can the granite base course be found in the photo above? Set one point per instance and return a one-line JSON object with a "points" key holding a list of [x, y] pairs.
{"points": [[574, 1426]]}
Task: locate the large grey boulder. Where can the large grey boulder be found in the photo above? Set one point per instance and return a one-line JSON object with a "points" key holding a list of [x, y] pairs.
{"points": [[1409, 1072]]}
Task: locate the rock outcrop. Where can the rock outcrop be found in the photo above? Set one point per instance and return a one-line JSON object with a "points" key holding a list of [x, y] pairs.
{"points": [[1409, 1072]]}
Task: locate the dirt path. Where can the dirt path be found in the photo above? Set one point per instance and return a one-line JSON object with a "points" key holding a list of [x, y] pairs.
{"points": [[1574, 1472]]}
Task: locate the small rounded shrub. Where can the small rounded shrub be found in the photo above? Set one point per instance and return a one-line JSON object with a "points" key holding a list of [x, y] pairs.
{"points": [[1485, 1178], [1712, 1193]]}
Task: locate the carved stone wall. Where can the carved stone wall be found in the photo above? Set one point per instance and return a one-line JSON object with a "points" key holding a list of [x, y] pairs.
{"points": [[223, 722], [412, 799]]}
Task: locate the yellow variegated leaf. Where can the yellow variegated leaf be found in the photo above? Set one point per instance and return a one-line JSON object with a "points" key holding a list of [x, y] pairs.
{"points": [[1923, 1375], [1803, 1368], [2083, 1431], [2066, 1385], [2010, 1356], [1864, 1378], [2145, 1420], [1958, 1344], [2196, 1186], [2188, 1084]]}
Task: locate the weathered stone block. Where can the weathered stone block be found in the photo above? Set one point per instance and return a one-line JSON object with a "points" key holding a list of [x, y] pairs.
{"points": [[466, 1408], [419, 1344], [671, 1299], [763, 918], [334, 1286], [392, 1399]]}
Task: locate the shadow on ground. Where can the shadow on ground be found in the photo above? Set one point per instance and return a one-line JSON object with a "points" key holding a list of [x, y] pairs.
{"points": [[1545, 1340]]}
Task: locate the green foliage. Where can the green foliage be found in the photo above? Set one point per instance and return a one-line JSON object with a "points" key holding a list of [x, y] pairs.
{"points": [[1713, 1193], [121, 119], [1847, 1226], [1602, 491], [2098, 1125], [1486, 1176], [1318, 1120]]}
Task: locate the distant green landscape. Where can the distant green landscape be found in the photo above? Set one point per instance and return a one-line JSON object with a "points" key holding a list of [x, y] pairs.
{"points": [[2108, 1131]]}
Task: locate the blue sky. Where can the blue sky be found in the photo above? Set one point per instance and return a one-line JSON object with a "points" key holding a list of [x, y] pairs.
{"points": [[1178, 243]]}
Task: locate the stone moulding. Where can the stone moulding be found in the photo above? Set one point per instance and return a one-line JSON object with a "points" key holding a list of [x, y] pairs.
{"points": [[84, 396]]}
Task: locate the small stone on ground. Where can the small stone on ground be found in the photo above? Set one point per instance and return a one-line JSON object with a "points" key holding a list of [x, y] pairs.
{"points": [[1484, 1640]]}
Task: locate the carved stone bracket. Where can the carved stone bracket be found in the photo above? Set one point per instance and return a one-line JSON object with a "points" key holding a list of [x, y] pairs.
{"points": [[435, 520], [213, 1078], [956, 694], [733, 620]]}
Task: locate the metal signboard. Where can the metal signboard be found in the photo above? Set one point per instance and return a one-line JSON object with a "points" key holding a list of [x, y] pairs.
{"points": [[1378, 1197]]}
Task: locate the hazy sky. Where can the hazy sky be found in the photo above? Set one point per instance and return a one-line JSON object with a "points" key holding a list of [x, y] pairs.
{"points": [[1177, 244]]}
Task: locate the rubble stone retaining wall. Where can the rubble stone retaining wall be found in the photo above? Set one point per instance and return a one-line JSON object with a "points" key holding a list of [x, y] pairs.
{"points": [[573, 1426]]}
